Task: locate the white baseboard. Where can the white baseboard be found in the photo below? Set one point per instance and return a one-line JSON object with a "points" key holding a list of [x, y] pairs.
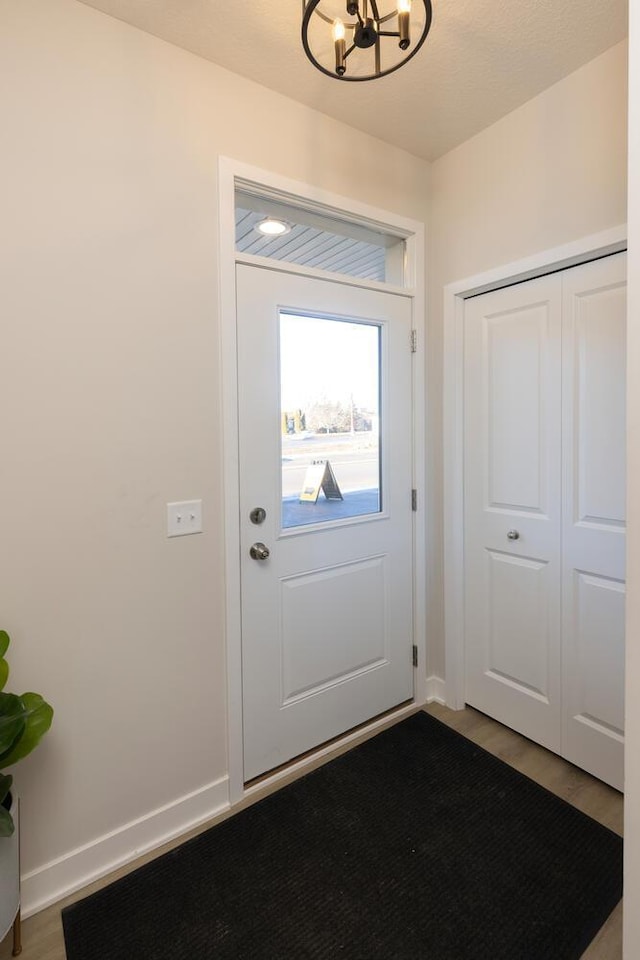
{"points": [[436, 690], [76, 869], [58, 879]]}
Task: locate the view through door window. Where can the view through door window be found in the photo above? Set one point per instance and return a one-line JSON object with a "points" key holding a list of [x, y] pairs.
{"points": [[330, 419]]}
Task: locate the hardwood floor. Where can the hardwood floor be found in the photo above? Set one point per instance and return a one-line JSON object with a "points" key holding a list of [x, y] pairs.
{"points": [[42, 934]]}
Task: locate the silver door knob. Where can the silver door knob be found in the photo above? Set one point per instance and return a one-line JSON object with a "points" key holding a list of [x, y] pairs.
{"points": [[513, 535], [259, 551]]}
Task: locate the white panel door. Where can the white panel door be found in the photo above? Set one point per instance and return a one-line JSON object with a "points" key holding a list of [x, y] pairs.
{"points": [[512, 507], [324, 375], [594, 422]]}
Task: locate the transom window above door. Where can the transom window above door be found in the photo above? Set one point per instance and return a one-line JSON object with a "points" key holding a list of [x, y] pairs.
{"points": [[271, 227]]}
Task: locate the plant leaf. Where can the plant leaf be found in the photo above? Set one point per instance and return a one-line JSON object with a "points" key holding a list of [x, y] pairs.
{"points": [[4, 666], [12, 723], [5, 785], [37, 722], [7, 826]]}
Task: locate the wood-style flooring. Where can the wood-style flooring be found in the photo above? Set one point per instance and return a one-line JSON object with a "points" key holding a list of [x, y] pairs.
{"points": [[42, 934]]}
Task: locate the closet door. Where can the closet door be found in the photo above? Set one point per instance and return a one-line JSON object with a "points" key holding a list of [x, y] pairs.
{"points": [[593, 525], [512, 507]]}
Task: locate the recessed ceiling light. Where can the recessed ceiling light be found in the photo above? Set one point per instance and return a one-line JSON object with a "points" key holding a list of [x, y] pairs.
{"points": [[271, 227]]}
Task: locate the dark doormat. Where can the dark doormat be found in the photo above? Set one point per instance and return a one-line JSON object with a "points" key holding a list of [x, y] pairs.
{"points": [[416, 844]]}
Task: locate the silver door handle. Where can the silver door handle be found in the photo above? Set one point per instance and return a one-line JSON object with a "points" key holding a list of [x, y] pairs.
{"points": [[259, 551], [513, 535]]}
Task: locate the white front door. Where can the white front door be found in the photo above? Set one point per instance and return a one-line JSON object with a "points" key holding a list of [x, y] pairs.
{"points": [[324, 402]]}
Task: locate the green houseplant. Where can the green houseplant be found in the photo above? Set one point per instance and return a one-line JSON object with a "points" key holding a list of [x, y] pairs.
{"points": [[24, 720]]}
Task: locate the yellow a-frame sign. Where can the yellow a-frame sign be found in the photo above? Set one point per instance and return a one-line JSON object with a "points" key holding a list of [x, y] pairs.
{"points": [[320, 476]]}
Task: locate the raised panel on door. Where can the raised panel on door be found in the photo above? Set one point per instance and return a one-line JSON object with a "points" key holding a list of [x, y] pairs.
{"points": [[321, 645], [512, 507], [518, 591], [594, 423]]}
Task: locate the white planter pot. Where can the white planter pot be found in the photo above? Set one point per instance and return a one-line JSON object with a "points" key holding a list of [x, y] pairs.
{"points": [[9, 875]]}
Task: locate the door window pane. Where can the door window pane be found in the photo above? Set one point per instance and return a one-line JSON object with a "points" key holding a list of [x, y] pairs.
{"points": [[330, 419]]}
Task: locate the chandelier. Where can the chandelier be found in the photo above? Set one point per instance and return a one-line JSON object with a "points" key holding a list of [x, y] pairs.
{"points": [[354, 39]]}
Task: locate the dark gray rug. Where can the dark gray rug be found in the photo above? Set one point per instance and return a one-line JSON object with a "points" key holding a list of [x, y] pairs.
{"points": [[416, 844]]}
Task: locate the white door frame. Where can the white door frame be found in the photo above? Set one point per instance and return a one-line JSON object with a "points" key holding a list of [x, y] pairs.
{"points": [[229, 172], [558, 258]]}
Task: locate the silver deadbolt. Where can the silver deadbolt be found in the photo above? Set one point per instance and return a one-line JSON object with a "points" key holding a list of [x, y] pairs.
{"points": [[513, 535], [258, 515], [258, 551]]}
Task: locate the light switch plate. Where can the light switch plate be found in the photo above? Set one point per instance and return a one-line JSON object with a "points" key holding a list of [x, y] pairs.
{"points": [[184, 517]]}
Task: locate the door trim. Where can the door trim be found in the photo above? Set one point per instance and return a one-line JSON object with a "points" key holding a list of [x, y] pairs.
{"points": [[558, 258], [229, 172]]}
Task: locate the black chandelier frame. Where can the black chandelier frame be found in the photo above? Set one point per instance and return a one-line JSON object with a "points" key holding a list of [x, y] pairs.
{"points": [[370, 32]]}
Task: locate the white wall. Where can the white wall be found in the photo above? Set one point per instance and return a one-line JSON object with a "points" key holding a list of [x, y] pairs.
{"points": [[632, 754], [110, 407], [550, 172]]}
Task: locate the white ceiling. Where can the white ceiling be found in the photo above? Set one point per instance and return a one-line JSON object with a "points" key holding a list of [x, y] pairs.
{"points": [[482, 59]]}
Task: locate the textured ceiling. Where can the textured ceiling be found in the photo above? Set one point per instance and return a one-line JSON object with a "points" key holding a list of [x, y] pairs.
{"points": [[482, 59]]}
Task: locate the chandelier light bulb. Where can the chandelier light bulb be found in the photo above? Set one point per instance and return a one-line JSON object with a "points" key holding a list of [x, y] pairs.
{"points": [[404, 26], [340, 46]]}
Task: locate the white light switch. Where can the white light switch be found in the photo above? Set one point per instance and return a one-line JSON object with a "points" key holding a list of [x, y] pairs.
{"points": [[184, 517]]}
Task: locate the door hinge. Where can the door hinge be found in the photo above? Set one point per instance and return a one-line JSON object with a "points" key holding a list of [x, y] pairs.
{"points": [[414, 500], [414, 655], [414, 341]]}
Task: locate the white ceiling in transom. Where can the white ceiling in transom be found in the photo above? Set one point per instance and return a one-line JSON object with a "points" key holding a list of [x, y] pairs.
{"points": [[482, 59]]}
